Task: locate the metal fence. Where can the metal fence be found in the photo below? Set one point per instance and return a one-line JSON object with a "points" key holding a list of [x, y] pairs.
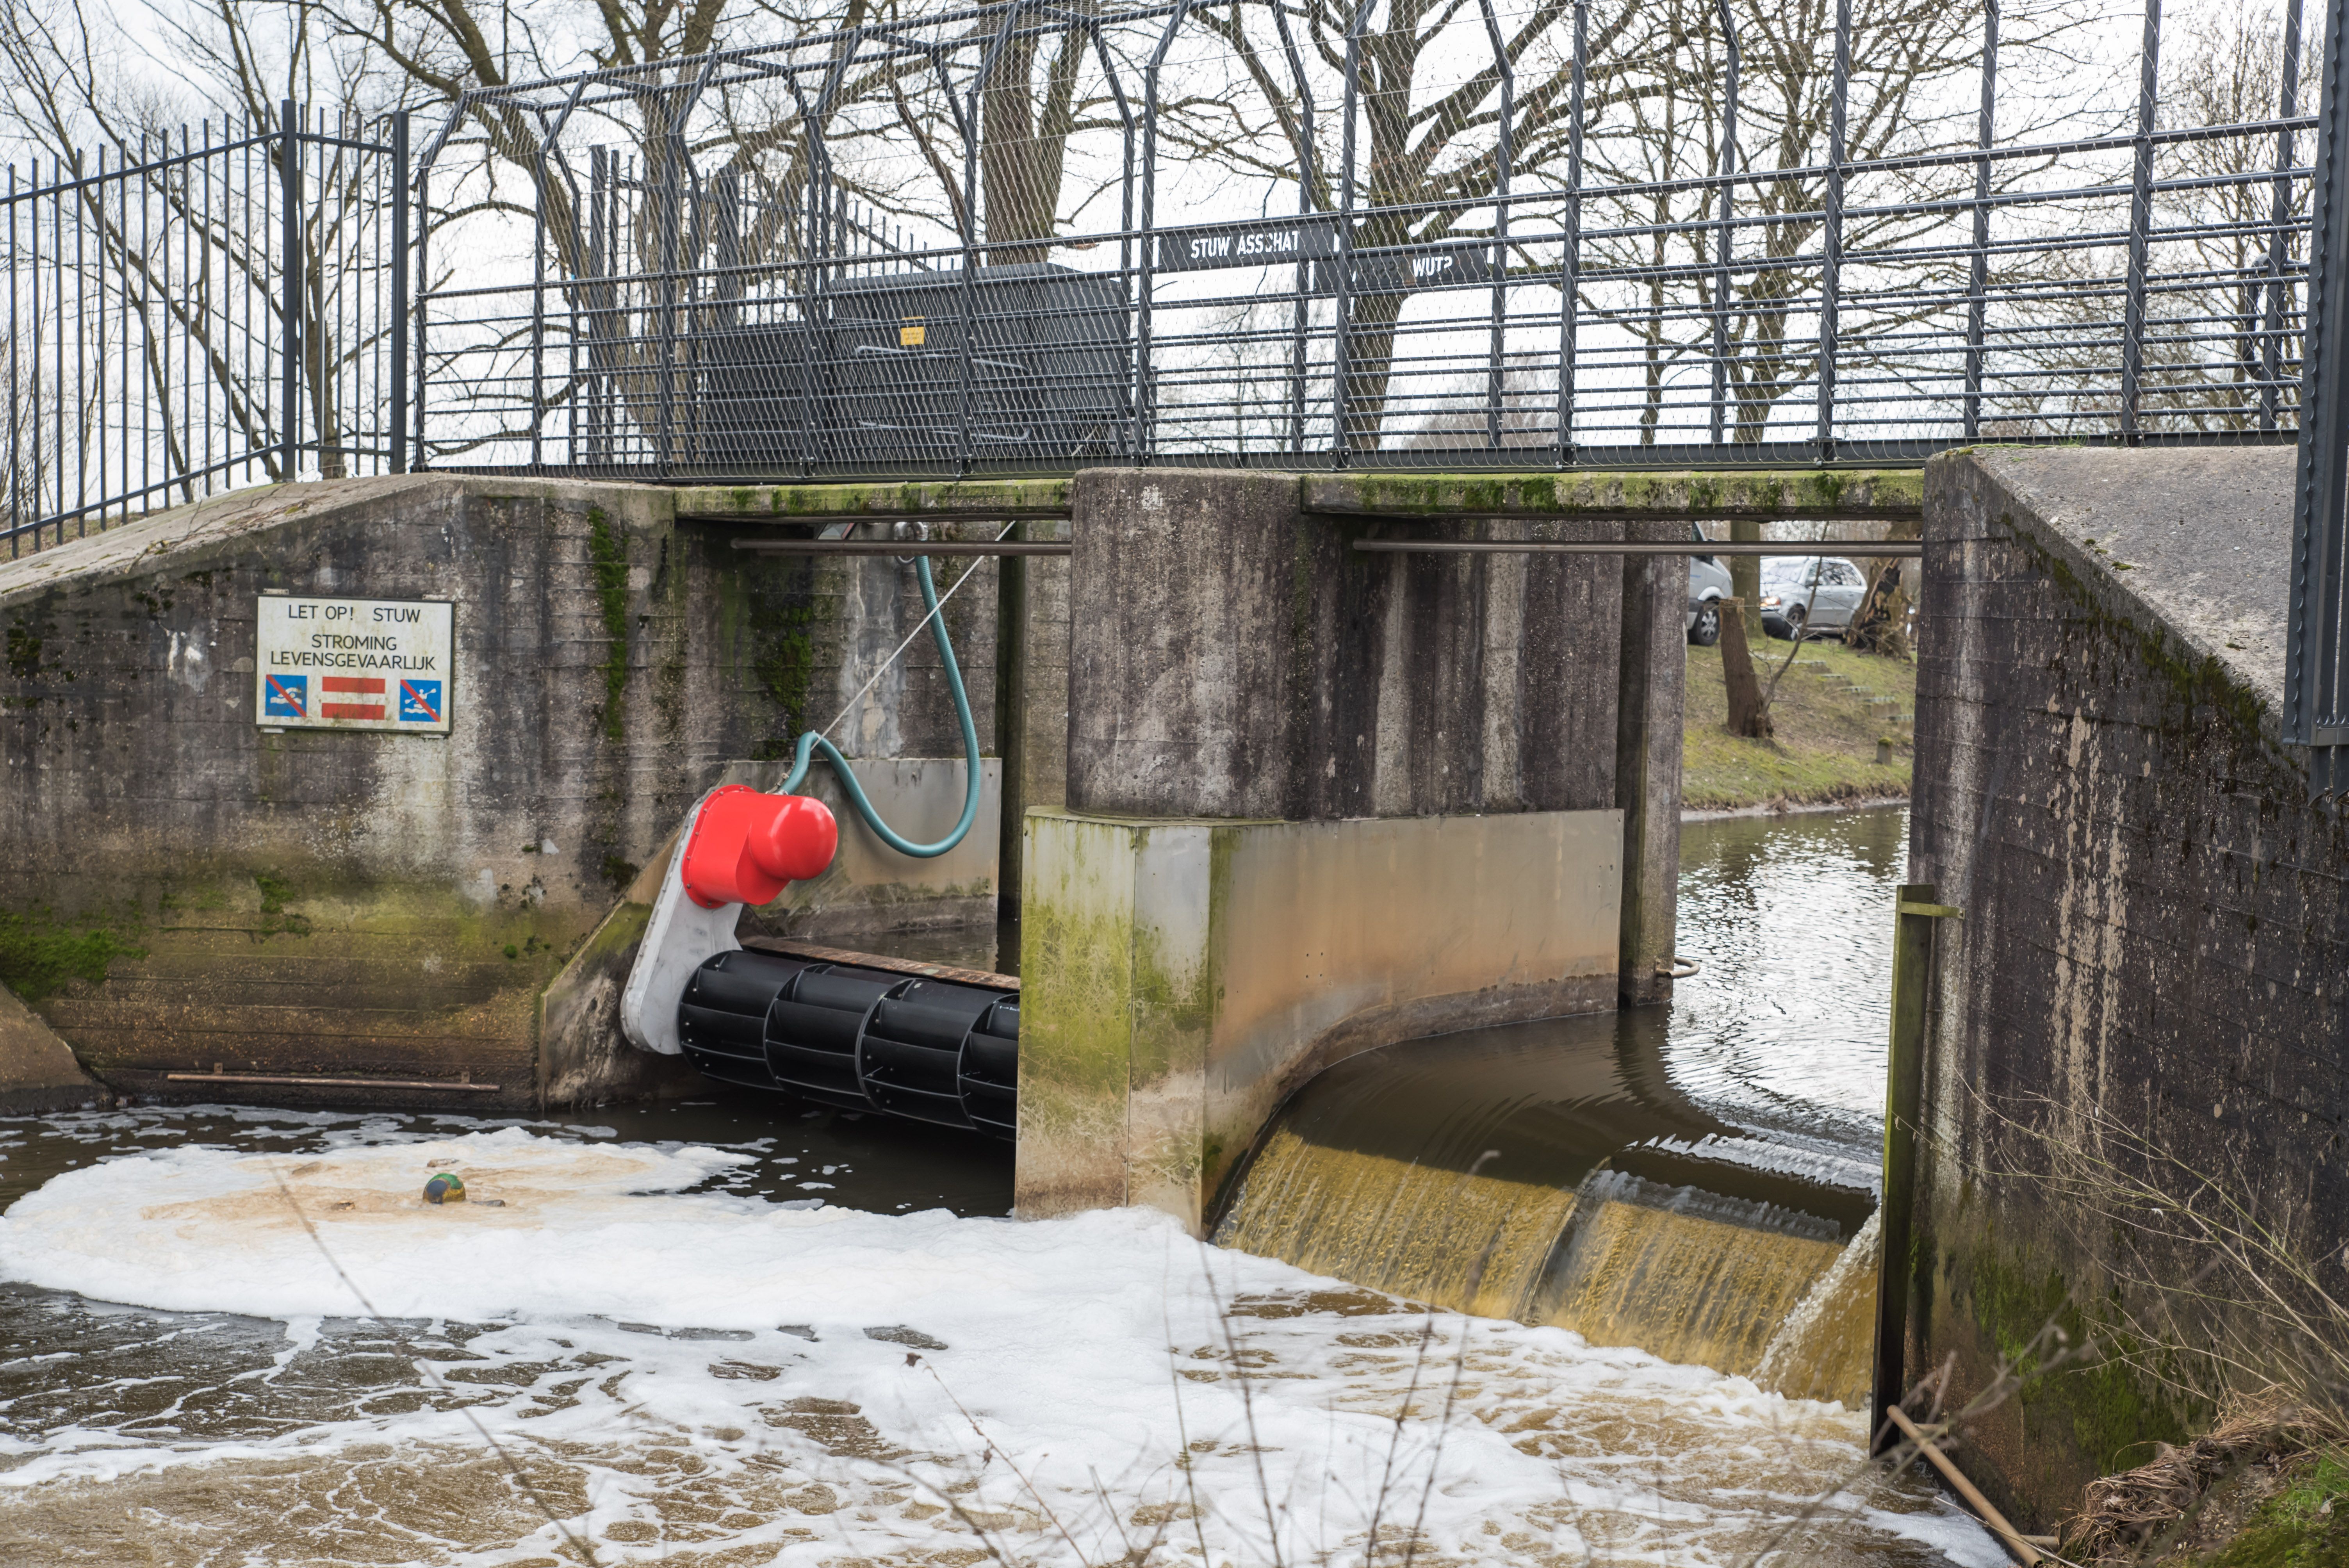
{"points": [[219, 307], [1033, 236]]}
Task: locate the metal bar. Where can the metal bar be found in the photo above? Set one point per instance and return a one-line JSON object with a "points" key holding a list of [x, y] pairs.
{"points": [[2320, 498], [548, 134], [1308, 178], [1341, 391], [2279, 236], [899, 547], [1502, 152], [397, 428], [460, 1088], [418, 461], [1978, 264], [1872, 549], [975, 134], [1831, 262], [1569, 287], [289, 401], [15, 379], [1145, 414], [1722, 237], [2140, 222]]}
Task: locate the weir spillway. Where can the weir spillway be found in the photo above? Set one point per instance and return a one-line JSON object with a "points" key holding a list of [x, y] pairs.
{"points": [[1529, 1174]]}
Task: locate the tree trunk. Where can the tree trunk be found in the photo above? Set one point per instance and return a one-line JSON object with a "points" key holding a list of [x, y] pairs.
{"points": [[1881, 626], [1745, 577], [1749, 715]]}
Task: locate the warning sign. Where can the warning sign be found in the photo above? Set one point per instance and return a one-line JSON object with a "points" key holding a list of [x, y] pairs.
{"points": [[354, 663]]}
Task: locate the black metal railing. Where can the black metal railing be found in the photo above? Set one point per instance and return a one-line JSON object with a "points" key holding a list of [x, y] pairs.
{"points": [[221, 307], [1251, 235]]}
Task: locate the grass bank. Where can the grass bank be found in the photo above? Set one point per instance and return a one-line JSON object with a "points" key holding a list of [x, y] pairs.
{"points": [[1831, 709]]}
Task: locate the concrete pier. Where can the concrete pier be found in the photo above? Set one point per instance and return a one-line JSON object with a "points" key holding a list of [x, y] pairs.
{"points": [[2147, 974], [1319, 801]]}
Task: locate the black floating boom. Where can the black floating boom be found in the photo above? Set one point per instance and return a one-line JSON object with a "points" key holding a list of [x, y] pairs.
{"points": [[862, 1039]]}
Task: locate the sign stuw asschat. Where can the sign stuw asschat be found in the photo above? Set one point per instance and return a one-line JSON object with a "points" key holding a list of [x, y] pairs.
{"points": [[354, 663]]}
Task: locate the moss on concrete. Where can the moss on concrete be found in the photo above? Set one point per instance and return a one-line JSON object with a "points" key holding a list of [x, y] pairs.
{"points": [[873, 500], [1729, 493], [608, 553], [2305, 1525], [39, 953], [2113, 1415]]}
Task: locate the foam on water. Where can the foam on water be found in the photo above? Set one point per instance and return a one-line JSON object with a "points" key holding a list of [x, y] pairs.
{"points": [[702, 1378]]}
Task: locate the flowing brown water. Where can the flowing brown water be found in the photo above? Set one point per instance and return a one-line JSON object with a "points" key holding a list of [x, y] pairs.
{"points": [[702, 1378], [1660, 1180]]}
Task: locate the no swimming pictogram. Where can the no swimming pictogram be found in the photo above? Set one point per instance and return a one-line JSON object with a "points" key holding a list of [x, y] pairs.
{"points": [[354, 663]]}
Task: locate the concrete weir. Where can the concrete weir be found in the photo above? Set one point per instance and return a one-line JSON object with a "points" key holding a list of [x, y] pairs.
{"points": [[1272, 800], [423, 919], [1319, 801], [2146, 984]]}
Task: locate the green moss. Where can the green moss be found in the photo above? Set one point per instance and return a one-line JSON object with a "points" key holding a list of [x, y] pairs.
{"points": [[1699, 492], [620, 872], [2202, 687], [24, 651], [2306, 1525], [275, 893], [2110, 1414], [607, 551], [38, 953], [775, 623]]}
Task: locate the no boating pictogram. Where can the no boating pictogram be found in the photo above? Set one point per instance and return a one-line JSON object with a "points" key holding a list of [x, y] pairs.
{"points": [[354, 663]]}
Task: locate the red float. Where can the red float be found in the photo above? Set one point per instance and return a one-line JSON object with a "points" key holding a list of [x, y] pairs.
{"points": [[746, 845]]}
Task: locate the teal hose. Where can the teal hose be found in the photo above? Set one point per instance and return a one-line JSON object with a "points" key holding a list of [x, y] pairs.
{"points": [[814, 742]]}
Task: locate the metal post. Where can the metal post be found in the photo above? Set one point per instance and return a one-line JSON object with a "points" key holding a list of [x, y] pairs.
{"points": [[1904, 1095], [2279, 236], [398, 187], [290, 323], [591, 393], [417, 462], [1570, 241], [548, 136], [2320, 499], [1978, 267], [672, 151], [1500, 226], [1341, 348], [974, 133], [1125, 185], [2140, 223], [1306, 181], [1831, 263], [816, 361], [16, 384], [1721, 244], [1145, 416]]}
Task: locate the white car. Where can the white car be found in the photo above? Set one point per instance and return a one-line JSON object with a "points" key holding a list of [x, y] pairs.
{"points": [[1708, 586], [1804, 595]]}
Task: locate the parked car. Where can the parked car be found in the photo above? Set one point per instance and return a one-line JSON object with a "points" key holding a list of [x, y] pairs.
{"points": [[1805, 594], [1708, 586]]}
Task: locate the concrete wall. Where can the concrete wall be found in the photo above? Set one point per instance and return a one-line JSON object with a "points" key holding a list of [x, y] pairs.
{"points": [[1232, 656], [2154, 933], [182, 889], [1182, 978], [1320, 800]]}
